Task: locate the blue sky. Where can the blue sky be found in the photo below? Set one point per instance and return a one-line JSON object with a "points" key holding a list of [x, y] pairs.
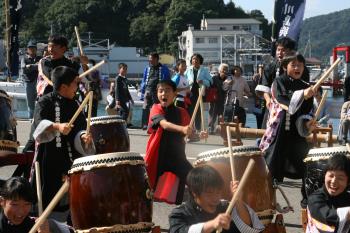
{"points": [[313, 7]]}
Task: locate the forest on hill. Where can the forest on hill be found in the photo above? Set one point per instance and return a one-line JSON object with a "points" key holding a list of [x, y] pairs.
{"points": [[148, 24], [326, 32]]}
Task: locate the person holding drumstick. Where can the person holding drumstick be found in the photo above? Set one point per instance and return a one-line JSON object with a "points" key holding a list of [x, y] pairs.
{"points": [[205, 210], [166, 162], [58, 142], [290, 122], [16, 199]]}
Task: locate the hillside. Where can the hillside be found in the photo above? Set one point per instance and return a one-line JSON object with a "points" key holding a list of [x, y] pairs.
{"points": [[326, 32]]}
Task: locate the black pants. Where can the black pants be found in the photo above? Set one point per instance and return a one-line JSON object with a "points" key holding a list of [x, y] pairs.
{"points": [[149, 100], [215, 110], [197, 121]]}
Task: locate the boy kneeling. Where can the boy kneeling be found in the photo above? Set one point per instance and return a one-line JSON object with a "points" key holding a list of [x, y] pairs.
{"points": [[205, 211]]}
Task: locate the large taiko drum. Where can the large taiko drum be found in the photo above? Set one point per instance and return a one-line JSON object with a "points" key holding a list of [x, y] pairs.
{"points": [[316, 162], [258, 193], [110, 193], [109, 134], [8, 137]]}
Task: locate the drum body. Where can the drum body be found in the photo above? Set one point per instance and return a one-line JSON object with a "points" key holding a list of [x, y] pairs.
{"points": [[258, 193], [8, 137], [110, 191], [316, 162], [109, 134]]}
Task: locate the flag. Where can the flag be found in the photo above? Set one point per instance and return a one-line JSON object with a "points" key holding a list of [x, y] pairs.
{"points": [[288, 18], [15, 16]]}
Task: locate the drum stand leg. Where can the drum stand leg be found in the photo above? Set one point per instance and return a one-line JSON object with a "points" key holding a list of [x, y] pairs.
{"points": [[236, 124]]}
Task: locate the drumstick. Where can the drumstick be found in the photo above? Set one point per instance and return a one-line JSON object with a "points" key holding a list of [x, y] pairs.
{"points": [[79, 41], [38, 188], [50, 207], [92, 68], [228, 132], [76, 114], [91, 93], [320, 106], [241, 185], [325, 75], [202, 114], [196, 108]]}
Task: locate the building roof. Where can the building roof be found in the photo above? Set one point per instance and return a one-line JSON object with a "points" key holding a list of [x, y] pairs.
{"points": [[232, 21]]}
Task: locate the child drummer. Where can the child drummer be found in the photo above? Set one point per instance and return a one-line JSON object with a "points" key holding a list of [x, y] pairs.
{"points": [[165, 152], [205, 210], [16, 198], [58, 143], [329, 206]]}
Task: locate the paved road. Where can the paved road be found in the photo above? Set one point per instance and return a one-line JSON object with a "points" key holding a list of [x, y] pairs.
{"points": [[138, 141]]}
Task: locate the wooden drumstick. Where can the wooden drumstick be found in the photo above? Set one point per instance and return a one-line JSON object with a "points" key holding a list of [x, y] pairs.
{"points": [[38, 188], [78, 40], [50, 207], [92, 69], [76, 114], [228, 132], [241, 185], [91, 93], [320, 106], [325, 75], [202, 113], [196, 108]]}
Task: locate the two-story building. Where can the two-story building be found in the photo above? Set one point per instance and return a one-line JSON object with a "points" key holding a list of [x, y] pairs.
{"points": [[233, 41]]}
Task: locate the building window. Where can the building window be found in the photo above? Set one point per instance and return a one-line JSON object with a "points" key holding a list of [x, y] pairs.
{"points": [[213, 40], [235, 28], [222, 28], [246, 28], [200, 40]]}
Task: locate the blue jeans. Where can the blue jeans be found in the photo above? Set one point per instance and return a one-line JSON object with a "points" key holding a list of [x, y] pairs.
{"points": [[31, 97]]}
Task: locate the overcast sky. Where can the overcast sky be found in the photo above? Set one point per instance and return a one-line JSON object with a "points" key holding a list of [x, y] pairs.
{"points": [[313, 7]]}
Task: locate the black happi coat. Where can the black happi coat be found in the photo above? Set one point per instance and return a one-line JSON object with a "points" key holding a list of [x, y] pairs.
{"points": [[288, 148], [24, 227], [189, 213], [323, 207], [55, 161]]}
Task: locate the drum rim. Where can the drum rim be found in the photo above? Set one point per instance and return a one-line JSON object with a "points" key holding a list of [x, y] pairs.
{"points": [[106, 119], [105, 160], [324, 153], [8, 144], [225, 153], [136, 227]]}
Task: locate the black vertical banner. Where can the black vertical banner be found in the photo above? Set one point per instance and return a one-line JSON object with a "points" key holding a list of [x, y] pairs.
{"points": [[15, 16], [287, 19]]}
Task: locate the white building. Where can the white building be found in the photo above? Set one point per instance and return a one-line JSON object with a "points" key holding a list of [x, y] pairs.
{"points": [[233, 41]]}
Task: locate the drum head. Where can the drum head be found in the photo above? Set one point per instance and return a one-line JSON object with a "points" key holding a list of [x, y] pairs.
{"points": [[225, 153], [106, 160], [106, 120]]}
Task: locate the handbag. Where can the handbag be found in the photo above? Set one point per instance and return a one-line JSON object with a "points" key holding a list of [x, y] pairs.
{"points": [[211, 94]]}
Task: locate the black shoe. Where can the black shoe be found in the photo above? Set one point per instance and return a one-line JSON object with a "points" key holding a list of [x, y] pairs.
{"points": [[343, 142], [144, 127]]}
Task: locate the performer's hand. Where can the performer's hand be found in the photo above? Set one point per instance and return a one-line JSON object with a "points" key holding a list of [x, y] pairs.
{"points": [[63, 128], [311, 125], [234, 186], [221, 221], [187, 130], [203, 134], [44, 228], [84, 60], [308, 93], [86, 138]]}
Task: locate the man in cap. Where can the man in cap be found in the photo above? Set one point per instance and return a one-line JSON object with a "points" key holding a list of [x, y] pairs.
{"points": [[29, 65]]}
